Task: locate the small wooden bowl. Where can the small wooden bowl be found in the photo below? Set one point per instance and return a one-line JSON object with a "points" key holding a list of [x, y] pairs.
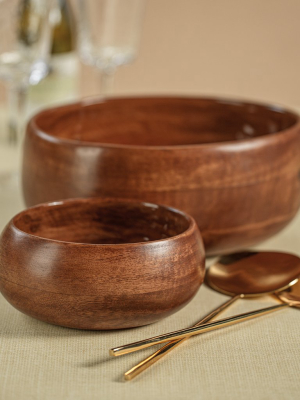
{"points": [[100, 264], [233, 166]]}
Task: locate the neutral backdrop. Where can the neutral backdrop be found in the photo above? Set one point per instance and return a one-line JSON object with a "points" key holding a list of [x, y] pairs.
{"points": [[237, 48]]}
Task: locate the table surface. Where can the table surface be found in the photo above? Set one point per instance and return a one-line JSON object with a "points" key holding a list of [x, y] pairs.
{"points": [[258, 359]]}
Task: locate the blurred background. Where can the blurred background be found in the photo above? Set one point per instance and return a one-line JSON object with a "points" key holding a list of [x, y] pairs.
{"points": [[238, 48]]}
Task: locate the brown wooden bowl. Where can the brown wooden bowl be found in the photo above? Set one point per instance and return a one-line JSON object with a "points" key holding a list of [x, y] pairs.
{"points": [[233, 166], [100, 264]]}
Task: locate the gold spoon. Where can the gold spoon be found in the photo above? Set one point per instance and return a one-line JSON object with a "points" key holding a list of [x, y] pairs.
{"points": [[254, 273], [235, 273]]}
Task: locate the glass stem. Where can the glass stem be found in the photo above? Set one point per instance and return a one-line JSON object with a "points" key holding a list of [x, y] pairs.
{"points": [[17, 100], [107, 81]]}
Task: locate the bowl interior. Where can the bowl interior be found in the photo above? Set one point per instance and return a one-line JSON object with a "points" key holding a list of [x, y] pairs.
{"points": [[163, 121], [102, 222]]}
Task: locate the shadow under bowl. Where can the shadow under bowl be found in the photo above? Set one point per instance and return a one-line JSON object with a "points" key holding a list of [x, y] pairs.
{"points": [[100, 263], [233, 166]]}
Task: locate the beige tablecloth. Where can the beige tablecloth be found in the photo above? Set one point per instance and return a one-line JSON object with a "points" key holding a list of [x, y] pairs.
{"points": [[259, 359]]}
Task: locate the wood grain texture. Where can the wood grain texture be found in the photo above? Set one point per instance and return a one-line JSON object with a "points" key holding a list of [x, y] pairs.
{"points": [[233, 166], [100, 264]]}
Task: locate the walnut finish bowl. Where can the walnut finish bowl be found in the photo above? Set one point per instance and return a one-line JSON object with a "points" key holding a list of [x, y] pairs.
{"points": [[233, 166], [100, 264]]}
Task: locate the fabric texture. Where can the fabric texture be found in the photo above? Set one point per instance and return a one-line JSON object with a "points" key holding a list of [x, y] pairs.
{"points": [[258, 359]]}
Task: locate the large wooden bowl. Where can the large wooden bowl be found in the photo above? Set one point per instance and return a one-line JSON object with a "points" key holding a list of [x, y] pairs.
{"points": [[100, 264], [233, 166]]}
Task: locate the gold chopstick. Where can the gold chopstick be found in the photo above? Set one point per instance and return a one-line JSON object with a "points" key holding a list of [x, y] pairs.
{"points": [[184, 333], [147, 362]]}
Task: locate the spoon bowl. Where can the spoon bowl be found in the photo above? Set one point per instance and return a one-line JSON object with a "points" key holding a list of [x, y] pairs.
{"points": [[251, 274], [291, 295]]}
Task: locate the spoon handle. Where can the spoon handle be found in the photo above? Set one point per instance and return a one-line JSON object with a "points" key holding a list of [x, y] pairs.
{"points": [[184, 333], [147, 362]]}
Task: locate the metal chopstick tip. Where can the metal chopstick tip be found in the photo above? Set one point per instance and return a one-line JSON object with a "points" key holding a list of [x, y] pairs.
{"points": [[112, 353]]}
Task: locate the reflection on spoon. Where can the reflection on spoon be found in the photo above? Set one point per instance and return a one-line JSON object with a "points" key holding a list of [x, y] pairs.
{"points": [[252, 274], [241, 275], [291, 296]]}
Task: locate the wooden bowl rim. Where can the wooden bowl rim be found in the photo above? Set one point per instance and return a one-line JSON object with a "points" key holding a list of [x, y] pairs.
{"points": [[192, 226], [32, 124]]}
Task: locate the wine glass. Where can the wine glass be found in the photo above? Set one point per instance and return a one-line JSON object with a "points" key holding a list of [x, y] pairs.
{"points": [[108, 35], [25, 36]]}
